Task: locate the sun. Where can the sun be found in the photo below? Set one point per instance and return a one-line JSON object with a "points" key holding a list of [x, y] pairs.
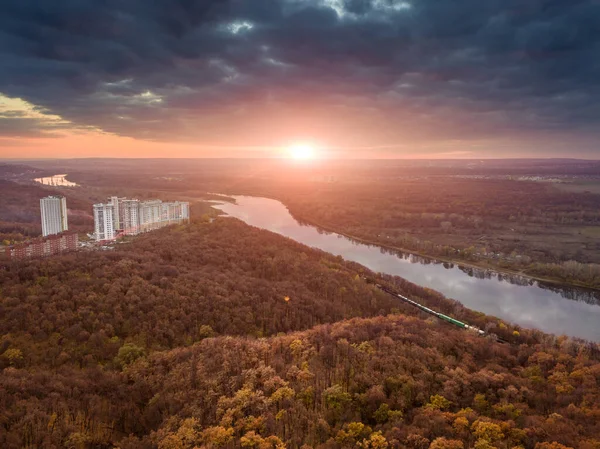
{"points": [[302, 151]]}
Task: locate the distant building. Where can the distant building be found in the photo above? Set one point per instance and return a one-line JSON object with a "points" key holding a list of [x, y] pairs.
{"points": [[54, 215], [129, 213], [43, 247], [122, 216], [116, 211], [150, 215], [104, 222]]}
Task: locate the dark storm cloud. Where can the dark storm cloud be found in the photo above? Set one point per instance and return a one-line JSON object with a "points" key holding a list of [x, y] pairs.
{"points": [[26, 127], [184, 69]]}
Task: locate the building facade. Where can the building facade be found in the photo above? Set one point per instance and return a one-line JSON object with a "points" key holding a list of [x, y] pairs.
{"points": [[43, 247], [122, 216], [54, 215], [104, 222], [129, 212], [115, 201]]}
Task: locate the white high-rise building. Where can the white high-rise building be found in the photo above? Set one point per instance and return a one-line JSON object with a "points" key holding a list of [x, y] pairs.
{"points": [[129, 213], [176, 211], [104, 222], [54, 215], [150, 215], [116, 212], [122, 216]]}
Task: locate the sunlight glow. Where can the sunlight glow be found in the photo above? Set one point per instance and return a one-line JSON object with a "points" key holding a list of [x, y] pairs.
{"points": [[301, 151]]}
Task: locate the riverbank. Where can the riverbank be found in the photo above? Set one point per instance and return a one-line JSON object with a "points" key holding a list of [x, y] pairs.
{"points": [[568, 311], [460, 262], [481, 265]]}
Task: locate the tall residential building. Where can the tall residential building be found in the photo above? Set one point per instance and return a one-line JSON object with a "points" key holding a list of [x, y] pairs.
{"points": [[104, 222], [54, 215], [116, 212], [129, 214], [122, 216], [150, 215]]}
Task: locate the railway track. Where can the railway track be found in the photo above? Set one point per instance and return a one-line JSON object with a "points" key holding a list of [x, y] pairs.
{"points": [[439, 315]]}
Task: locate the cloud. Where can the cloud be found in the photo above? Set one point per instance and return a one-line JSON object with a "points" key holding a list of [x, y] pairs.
{"points": [[20, 119], [366, 72]]}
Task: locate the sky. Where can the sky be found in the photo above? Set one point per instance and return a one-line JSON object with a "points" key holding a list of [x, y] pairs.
{"points": [[250, 78]]}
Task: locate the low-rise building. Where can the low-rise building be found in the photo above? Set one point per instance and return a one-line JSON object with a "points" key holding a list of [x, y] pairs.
{"points": [[44, 246]]}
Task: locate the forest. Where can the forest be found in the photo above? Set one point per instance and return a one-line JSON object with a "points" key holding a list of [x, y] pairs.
{"points": [[219, 335]]}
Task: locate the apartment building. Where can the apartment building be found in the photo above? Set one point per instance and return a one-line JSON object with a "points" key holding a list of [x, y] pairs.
{"points": [[42, 247], [104, 228], [122, 216], [54, 215], [129, 213]]}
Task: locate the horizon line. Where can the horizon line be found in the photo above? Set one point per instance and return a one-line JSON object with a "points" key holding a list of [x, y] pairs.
{"points": [[316, 159]]}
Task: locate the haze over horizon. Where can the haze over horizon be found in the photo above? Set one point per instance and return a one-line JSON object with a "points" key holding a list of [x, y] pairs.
{"points": [[352, 78]]}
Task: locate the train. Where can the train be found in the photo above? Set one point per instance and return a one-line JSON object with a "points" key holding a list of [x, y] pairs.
{"points": [[441, 316]]}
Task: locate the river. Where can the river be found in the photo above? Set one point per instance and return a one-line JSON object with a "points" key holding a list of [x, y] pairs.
{"points": [[528, 303], [56, 181]]}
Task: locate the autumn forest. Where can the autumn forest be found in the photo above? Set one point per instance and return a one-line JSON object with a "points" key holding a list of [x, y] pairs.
{"points": [[219, 335]]}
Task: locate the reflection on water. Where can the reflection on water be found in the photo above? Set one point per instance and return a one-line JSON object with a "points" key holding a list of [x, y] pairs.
{"points": [[521, 300], [56, 181], [578, 294]]}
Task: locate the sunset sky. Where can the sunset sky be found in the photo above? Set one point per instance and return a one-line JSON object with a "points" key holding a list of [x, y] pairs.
{"points": [[250, 78]]}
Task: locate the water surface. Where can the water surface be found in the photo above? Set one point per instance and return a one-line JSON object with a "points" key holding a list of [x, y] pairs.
{"points": [[569, 311], [56, 181]]}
